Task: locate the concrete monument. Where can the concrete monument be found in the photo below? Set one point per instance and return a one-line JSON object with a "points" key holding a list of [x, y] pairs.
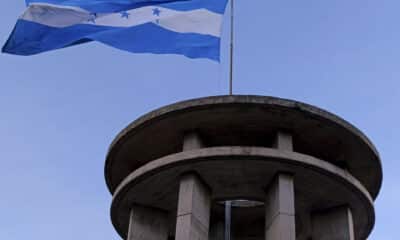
{"points": [[291, 171]]}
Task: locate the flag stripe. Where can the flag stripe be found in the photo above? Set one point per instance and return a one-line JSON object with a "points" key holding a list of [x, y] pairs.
{"points": [[107, 6], [32, 38], [200, 21]]}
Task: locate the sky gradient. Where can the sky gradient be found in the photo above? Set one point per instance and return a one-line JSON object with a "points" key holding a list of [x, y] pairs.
{"points": [[61, 110]]}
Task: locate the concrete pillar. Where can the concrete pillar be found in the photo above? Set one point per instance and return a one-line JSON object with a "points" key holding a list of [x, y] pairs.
{"points": [[194, 205], [191, 141], [147, 224], [333, 224], [280, 210], [283, 141]]}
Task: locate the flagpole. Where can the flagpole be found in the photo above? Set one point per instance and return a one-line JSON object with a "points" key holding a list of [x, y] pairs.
{"points": [[228, 219], [231, 50]]}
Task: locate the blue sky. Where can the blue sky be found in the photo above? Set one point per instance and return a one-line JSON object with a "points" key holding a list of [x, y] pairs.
{"points": [[60, 110]]}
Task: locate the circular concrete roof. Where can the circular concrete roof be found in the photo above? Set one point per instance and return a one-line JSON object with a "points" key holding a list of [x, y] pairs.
{"points": [[240, 120]]}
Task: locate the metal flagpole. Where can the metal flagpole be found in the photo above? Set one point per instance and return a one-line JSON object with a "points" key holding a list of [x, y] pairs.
{"points": [[228, 204], [228, 219], [231, 49]]}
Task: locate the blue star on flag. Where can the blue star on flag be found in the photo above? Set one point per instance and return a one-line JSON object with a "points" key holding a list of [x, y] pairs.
{"points": [[156, 12], [125, 14], [92, 18]]}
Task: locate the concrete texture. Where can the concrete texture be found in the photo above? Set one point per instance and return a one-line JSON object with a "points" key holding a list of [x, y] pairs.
{"points": [[237, 172], [280, 209], [283, 141], [333, 224], [147, 224], [194, 205], [244, 121], [191, 141]]}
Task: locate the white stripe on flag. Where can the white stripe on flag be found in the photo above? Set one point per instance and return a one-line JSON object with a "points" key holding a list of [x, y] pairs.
{"points": [[200, 21]]}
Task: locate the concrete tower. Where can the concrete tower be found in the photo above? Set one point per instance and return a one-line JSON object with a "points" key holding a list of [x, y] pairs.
{"points": [[290, 170]]}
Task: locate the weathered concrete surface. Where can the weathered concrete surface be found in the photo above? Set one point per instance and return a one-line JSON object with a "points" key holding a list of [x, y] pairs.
{"points": [[280, 209], [147, 224], [283, 141], [244, 121], [191, 141], [235, 172], [194, 205], [333, 224]]}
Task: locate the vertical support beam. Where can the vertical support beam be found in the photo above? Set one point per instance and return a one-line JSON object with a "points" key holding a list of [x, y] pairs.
{"points": [[283, 141], [191, 141], [147, 224], [280, 209], [194, 205], [333, 224]]}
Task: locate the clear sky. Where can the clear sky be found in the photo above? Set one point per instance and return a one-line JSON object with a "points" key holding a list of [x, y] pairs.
{"points": [[60, 110]]}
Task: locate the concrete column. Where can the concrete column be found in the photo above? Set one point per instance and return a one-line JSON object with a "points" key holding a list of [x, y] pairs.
{"points": [[283, 141], [333, 224], [194, 205], [280, 210], [191, 141], [147, 224]]}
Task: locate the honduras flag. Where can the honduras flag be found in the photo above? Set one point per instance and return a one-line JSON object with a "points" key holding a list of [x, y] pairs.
{"points": [[188, 27]]}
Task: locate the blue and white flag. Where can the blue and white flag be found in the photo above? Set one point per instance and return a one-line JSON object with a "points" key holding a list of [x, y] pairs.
{"points": [[187, 27]]}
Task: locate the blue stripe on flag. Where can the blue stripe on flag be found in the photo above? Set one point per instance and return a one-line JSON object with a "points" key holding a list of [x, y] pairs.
{"points": [[30, 38]]}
